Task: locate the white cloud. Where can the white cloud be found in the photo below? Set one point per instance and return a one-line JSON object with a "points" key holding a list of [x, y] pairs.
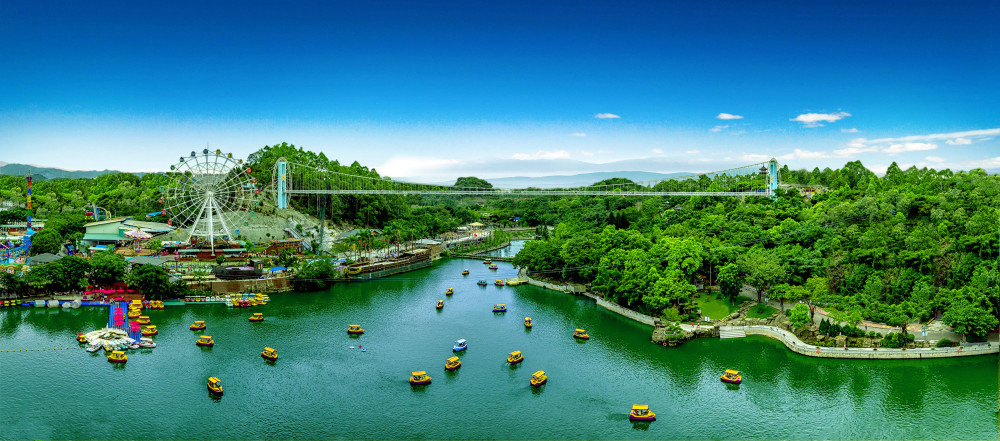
{"points": [[806, 154], [980, 135], [728, 116], [606, 116], [894, 149], [692, 152], [959, 141], [850, 130], [814, 119], [935, 159], [657, 151], [542, 154], [578, 134], [753, 157], [719, 128], [586, 153]]}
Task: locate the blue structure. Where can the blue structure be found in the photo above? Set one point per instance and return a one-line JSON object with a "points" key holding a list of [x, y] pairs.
{"points": [[282, 173], [772, 174]]}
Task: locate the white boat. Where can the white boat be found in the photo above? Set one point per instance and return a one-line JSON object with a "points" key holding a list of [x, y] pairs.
{"points": [[93, 348], [146, 342]]}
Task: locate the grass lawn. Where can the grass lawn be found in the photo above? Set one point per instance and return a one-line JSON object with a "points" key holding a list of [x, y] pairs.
{"points": [[715, 307], [760, 311]]}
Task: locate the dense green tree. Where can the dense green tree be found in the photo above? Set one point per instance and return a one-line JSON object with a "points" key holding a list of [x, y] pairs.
{"points": [[107, 267], [473, 182], [46, 241], [152, 281], [730, 282], [970, 319]]}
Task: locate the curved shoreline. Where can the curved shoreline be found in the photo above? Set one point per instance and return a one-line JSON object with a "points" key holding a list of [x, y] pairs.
{"points": [[790, 340]]}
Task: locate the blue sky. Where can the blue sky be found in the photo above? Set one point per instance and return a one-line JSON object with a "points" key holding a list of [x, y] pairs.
{"points": [[503, 88]]}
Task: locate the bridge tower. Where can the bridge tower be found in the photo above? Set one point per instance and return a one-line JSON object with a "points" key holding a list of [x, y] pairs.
{"points": [[282, 180], [772, 174]]}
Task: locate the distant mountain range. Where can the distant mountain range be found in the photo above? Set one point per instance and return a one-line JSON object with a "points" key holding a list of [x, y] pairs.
{"points": [[579, 180], [43, 173]]}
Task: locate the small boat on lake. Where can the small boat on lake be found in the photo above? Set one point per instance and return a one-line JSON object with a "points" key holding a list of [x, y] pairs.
{"points": [[149, 330], [515, 357], [641, 412], [527, 322], [466, 272], [500, 307], [143, 320], [449, 292], [460, 345], [215, 385], [355, 329], [487, 261], [117, 357], [731, 376], [581, 334], [494, 266], [257, 317], [146, 342], [498, 282], [199, 325], [269, 354], [539, 378], [452, 364], [481, 282], [205, 340], [419, 377], [93, 348], [81, 337], [440, 304]]}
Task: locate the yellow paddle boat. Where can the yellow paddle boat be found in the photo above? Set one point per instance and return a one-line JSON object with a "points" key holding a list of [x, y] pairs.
{"points": [[134, 313], [117, 357], [199, 325], [487, 261], [527, 322], [214, 385], [466, 272], [257, 317], [500, 307], [731, 376], [498, 282], [440, 304], [494, 266], [205, 340], [581, 334], [143, 320], [515, 357], [149, 330], [355, 329], [269, 354], [449, 292], [641, 412], [81, 338], [538, 378], [420, 377], [452, 364]]}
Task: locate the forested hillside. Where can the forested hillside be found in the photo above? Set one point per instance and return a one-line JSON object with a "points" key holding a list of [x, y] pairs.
{"points": [[911, 244]]}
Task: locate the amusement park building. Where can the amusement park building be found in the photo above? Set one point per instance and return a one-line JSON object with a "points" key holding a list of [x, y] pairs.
{"points": [[112, 231]]}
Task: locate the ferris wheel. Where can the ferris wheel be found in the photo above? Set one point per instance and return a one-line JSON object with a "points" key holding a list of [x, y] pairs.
{"points": [[211, 194]]}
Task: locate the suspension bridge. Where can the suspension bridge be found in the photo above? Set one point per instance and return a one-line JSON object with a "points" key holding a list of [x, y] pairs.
{"points": [[291, 179]]}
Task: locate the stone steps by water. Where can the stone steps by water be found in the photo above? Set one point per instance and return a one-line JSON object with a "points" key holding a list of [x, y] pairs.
{"points": [[731, 332]]}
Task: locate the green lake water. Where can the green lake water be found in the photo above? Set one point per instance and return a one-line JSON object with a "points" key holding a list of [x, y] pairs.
{"points": [[322, 389]]}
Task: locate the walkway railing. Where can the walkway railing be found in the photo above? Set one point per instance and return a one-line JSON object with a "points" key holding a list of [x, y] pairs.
{"points": [[796, 345]]}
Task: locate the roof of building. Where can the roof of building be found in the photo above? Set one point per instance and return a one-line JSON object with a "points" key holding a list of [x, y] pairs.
{"points": [[108, 221], [475, 224], [43, 258], [428, 242], [150, 227], [102, 236]]}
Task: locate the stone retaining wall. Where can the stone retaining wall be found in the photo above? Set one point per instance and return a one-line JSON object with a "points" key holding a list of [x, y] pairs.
{"points": [[793, 343], [637, 316]]}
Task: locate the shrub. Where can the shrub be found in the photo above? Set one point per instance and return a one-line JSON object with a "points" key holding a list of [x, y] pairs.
{"points": [[671, 315], [872, 334], [944, 343], [824, 326]]}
